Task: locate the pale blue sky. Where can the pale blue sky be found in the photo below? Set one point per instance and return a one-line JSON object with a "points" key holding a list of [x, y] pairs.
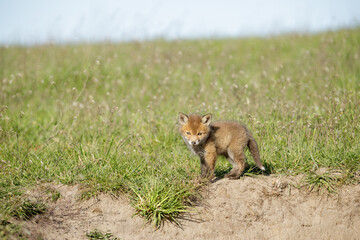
{"points": [[61, 21]]}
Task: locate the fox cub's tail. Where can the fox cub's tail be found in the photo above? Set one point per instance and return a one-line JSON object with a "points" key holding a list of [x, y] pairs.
{"points": [[252, 144]]}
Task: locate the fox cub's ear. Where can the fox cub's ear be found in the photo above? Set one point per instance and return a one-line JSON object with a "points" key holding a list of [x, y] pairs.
{"points": [[183, 118], [206, 119]]}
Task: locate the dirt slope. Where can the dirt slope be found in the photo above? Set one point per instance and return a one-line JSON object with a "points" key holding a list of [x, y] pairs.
{"points": [[265, 207]]}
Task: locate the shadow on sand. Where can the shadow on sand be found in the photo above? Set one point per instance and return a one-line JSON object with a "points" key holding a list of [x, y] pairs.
{"points": [[250, 170]]}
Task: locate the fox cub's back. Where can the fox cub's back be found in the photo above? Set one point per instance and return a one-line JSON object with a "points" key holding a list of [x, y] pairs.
{"points": [[225, 132]]}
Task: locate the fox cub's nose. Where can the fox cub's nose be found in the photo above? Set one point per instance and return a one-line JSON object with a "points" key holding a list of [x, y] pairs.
{"points": [[193, 142]]}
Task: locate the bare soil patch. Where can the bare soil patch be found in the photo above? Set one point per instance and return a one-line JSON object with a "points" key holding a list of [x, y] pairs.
{"points": [[265, 207]]}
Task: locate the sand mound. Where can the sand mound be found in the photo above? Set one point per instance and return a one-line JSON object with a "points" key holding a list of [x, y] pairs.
{"points": [[266, 207]]}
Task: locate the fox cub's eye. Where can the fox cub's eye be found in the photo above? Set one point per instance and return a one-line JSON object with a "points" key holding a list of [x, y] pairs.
{"points": [[199, 133], [188, 133]]}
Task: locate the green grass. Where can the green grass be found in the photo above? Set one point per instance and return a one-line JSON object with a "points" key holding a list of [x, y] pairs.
{"points": [[28, 209], [9, 231], [319, 182], [52, 193], [157, 200], [96, 234], [104, 115]]}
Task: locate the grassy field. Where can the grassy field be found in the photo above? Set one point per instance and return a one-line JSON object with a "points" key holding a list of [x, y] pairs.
{"points": [[105, 115]]}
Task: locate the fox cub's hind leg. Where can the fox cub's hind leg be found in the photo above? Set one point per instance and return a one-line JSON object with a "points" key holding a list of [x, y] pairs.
{"points": [[237, 159]]}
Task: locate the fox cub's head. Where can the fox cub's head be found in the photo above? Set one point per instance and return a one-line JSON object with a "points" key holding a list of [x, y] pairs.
{"points": [[194, 128]]}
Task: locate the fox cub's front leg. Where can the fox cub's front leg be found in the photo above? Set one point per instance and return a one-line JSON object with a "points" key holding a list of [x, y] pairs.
{"points": [[208, 161]]}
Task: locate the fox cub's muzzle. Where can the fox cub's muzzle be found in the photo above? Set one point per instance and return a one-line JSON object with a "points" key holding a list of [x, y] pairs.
{"points": [[194, 142]]}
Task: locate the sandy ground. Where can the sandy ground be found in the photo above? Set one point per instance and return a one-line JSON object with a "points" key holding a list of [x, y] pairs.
{"points": [[264, 207]]}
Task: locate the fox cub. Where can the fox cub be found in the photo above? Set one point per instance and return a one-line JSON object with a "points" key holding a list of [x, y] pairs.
{"points": [[208, 140]]}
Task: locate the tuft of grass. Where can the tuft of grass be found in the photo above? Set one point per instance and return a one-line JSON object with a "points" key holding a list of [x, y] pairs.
{"points": [[54, 194], [97, 234], [28, 209], [321, 182], [10, 231], [157, 201]]}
